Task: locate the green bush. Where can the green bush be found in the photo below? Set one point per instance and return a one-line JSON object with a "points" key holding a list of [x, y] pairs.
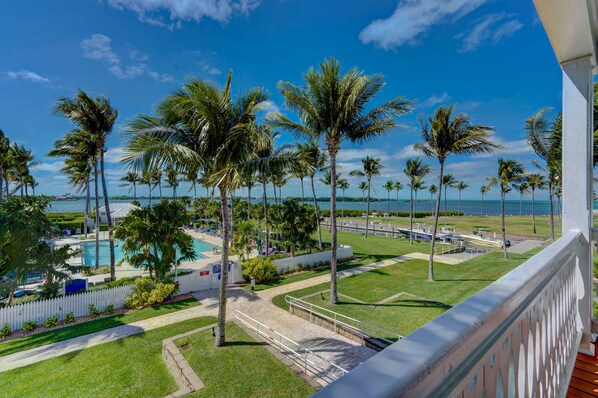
{"points": [[299, 268], [69, 318], [29, 326], [5, 331], [109, 310], [144, 295], [50, 290], [89, 271], [52, 321], [93, 311], [259, 268]]}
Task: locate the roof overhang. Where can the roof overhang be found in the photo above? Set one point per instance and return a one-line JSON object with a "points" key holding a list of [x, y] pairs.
{"points": [[571, 26]]}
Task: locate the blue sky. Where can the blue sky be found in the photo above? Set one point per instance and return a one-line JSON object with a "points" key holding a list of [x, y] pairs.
{"points": [[491, 58]]}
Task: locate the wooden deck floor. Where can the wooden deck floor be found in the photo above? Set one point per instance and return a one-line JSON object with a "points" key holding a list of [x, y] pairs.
{"points": [[584, 382]]}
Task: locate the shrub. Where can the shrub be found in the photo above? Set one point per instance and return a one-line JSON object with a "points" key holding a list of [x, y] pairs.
{"points": [[260, 269], [93, 311], [5, 331], [49, 290], [29, 326], [298, 268], [109, 310], [144, 295], [52, 321], [69, 318]]}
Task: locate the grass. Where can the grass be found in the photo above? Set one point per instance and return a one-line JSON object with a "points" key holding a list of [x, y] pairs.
{"points": [[453, 284], [68, 332], [372, 249], [128, 367], [242, 368], [515, 225]]}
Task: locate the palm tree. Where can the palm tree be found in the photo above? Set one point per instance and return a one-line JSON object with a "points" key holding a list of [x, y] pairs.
{"points": [[96, 116], [146, 178], [443, 135], [332, 107], [484, 189], [415, 169], [343, 184], [389, 186], [191, 177], [460, 185], [371, 168], [4, 150], [301, 172], [316, 160], [448, 181], [522, 188], [363, 187], [417, 185], [397, 187], [535, 181], [132, 178], [22, 160], [432, 189], [156, 179], [202, 126], [172, 179], [510, 173]]}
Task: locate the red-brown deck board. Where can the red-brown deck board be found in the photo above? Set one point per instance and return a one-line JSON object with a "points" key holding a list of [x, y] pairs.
{"points": [[584, 382]]}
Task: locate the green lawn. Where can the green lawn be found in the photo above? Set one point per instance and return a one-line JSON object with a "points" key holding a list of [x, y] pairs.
{"points": [[129, 367], [367, 250], [242, 368], [52, 336], [453, 284]]}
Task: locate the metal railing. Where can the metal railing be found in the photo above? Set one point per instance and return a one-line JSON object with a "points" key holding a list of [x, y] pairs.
{"points": [[309, 361], [364, 329], [518, 335]]}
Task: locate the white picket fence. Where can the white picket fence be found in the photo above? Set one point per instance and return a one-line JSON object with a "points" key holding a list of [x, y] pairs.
{"points": [[291, 262], [78, 304]]}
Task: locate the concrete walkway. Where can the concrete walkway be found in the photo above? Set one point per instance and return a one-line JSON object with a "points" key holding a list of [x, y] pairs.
{"points": [[525, 246], [259, 305]]}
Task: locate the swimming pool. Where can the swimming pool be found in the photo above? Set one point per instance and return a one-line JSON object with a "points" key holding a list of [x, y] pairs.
{"points": [[88, 251]]}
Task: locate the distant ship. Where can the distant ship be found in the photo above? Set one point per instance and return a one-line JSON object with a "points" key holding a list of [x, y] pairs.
{"points": [[67, 196]]}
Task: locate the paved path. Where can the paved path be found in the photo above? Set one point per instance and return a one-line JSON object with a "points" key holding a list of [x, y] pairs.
{"points": [[258, 305], [525, 246]]}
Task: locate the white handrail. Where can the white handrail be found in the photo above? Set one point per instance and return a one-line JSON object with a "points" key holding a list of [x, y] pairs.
{"points": [[293, 301], [300, 352]]}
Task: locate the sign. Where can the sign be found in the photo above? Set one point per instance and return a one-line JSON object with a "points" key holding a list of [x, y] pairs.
{"points": [[75, 286], [204, 273]]}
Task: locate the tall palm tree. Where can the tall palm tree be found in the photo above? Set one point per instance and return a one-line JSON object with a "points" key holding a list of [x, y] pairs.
{"points": [[535, 181], [397, 187], [448, 181], [146, 178], [445, 134], [301, 172], [22, 160], [522, 188], [343, 184], [510, 173], [417, 185], [389, 186], [371, 168], [96, 116], [484, 189], [4, 150], [415, 169], [363, 187], [172, 179], [201, 125], [332, 107], [460, 186], [132, 178], [432, 189]]}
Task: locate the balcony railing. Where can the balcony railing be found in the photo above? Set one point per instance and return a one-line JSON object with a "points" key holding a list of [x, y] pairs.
{"points": [[517, 337]]}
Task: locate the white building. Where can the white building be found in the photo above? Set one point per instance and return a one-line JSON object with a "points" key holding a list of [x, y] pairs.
{"points": [[117, 211], [521, 335]]}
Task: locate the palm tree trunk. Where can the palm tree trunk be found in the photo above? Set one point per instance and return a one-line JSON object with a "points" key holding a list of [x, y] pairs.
{"points": [[343, 205], [275, 197], [108, 219], [551, 201], [388, 202], [502, 220], [21, 182], [482, 206], [220, 337], [87, 200], [533, 213], [302, 192], [248, 202], [265, 203], [134, 190], [445, 190], [97, 221], [333, 288], [459, 203], [435, 228], [432, 203], [397, 204], [520, 204], [367, 215], [317, 214], [194, 191], [410, 216]]}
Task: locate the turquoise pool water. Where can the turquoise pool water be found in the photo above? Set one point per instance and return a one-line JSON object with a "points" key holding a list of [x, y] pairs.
{"points": [[88, 251]]}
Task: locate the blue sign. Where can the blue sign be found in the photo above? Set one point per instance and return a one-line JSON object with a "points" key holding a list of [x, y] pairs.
{"points": [[75, 286]]}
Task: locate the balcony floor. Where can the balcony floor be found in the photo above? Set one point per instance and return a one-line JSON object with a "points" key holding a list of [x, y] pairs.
{"points": [[584, 382]]}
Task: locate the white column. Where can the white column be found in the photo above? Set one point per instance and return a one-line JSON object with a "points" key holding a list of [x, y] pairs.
{"points": [[578, 101]]}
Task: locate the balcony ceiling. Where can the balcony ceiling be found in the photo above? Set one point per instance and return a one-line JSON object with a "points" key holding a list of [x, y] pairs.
{"points": [[571, 26]]}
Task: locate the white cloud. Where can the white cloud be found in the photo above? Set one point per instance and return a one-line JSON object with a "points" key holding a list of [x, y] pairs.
{"points": [[516, 147], [209, 69], [27, 75], [407, 152], [98, 47], [151, 11], [113, 155], [49, 166], [490, 29], [346, 155], [436, 99], [270, 107], [412, 19]]}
